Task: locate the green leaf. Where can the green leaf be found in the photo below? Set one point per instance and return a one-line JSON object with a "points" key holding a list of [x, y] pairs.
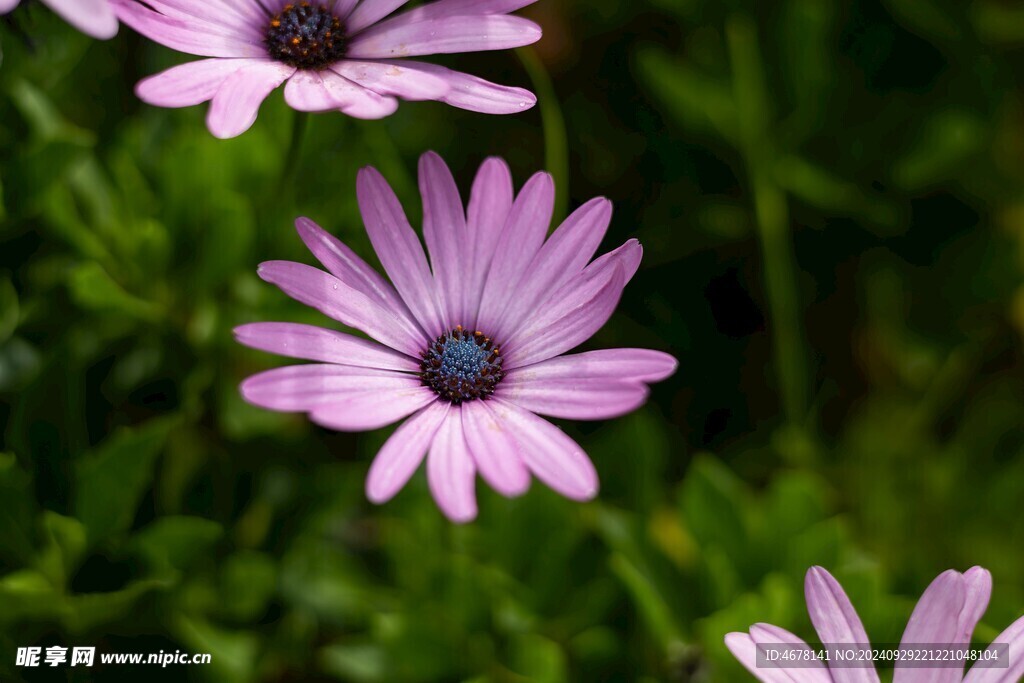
{"points": [[92, 288], [361, 662], [711, 501], [65, 542], [540, 659], [110, 482], [176, 542], [17, 512], [9, 313], [89, 610]]}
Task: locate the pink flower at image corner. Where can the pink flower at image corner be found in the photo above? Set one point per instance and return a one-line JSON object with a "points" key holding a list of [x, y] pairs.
{"points": [[95, 18], [332, 55], [946, 614], [468, 347]]}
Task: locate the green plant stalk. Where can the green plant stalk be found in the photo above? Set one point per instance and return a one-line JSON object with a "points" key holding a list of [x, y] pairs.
{"points": [[290, 167], [772, 218], [556, 143]]}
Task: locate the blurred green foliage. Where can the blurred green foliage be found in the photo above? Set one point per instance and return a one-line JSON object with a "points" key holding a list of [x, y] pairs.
{"points": [[831, 199]]}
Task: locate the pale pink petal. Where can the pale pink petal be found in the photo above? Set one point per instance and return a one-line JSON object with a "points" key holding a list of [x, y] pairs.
{"points": [[744, 650], [563, 256], [444, 231], [191, 83], [305, 91], [190, 36], [521, 238], [451, 474], [472, 93], [574, 399], [494, 449], [369, 12], [398, 249], [317, 91], [335, 299], [551, 455], [978, 587], [299, 388], [639, 365], [237, 101], [214, 15], [489, 205], [92, 17], [8, 5], [371, 408], [308, 342], [573, 315], [403, 452], [811, 671], [453, 8], [836, 621], [392, 78], [1013, 637], [472, 33], [935, 620], [345, 264], [342, 8]]}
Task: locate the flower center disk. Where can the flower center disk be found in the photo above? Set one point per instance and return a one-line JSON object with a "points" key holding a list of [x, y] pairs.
{"points": [[462, 366], [307, 36]]}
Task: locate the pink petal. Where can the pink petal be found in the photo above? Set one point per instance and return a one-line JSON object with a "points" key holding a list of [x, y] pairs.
{"points": [[369, 12], [392, 78], [639, 365], [936, 619], [218, 16], [398, 249], [237, 101], [563, 256], [326, 346], [836, 621], [553, 457], [345, 264], [1013, 637], [335, 299], [450, 472], [403, 452], [189, 84], [444, 230], [342, 8], [92, 17], [494, 450], [190, 36], [300, 388], [317, 91], [813, 672], [744, 650], [573, 315], [521, 238], [444, 36], [371, 408], [453, 8], [8, 5], [489, 205], [472, 93], [978, 586], [574, 399]]}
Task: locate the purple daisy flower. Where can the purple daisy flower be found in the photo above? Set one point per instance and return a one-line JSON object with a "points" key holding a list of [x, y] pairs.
{"points": [[332, 55], [470, 343], [945, 615], [92, 17]]}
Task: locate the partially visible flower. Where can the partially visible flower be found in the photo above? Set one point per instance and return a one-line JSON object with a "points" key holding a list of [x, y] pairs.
{"points": [[470, 345], [93, 17], [332, 55], [945, 615]]}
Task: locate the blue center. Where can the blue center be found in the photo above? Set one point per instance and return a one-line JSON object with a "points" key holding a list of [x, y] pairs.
{"points": [[462, 366], [306, 35]]}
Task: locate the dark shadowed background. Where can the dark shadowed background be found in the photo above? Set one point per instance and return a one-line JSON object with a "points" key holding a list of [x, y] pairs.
{"points": [[831, 200]]}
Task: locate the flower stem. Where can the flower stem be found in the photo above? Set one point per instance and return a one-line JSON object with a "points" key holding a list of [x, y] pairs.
{"points": [[556, 143], [772, 218], [290, 168]]}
